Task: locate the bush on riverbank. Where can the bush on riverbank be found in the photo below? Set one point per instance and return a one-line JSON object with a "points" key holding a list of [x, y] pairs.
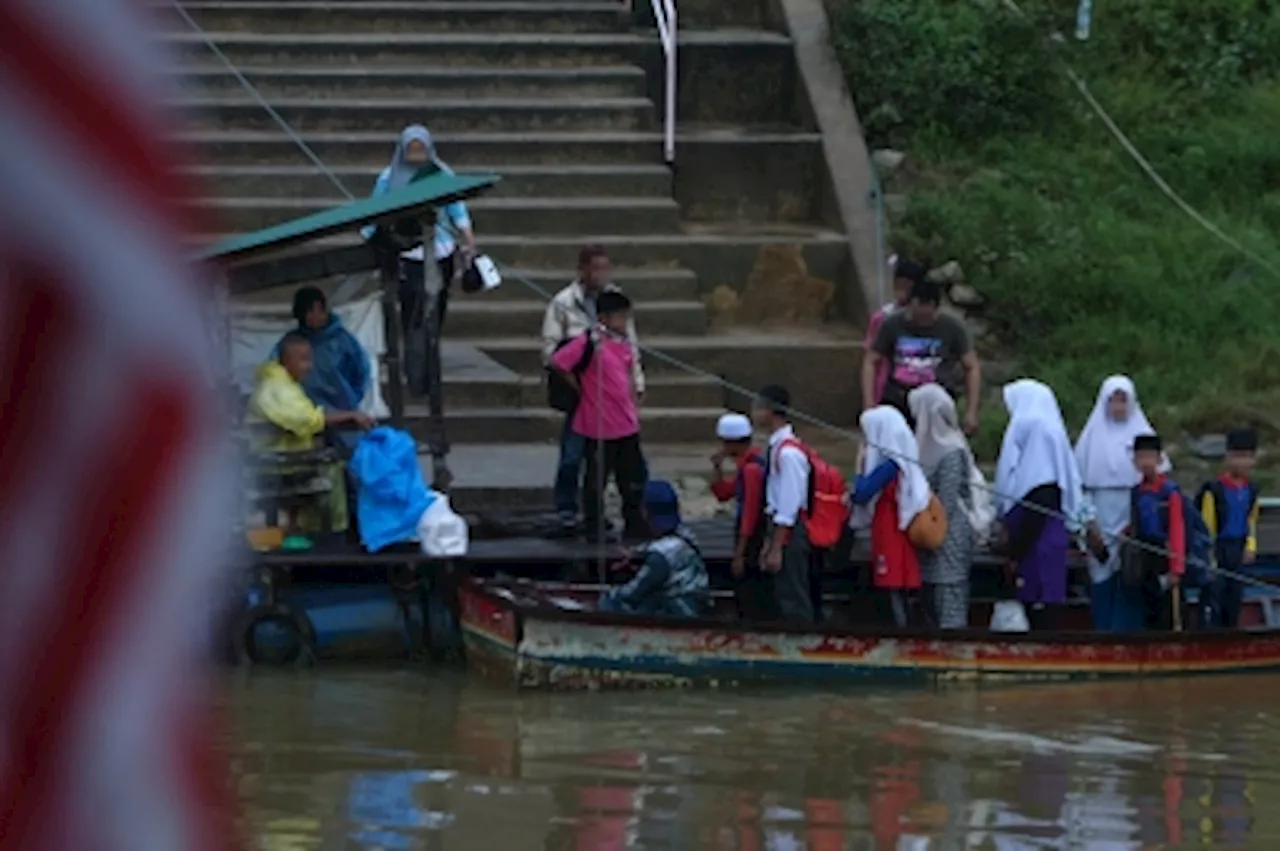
{"points": [[1087, 267]]}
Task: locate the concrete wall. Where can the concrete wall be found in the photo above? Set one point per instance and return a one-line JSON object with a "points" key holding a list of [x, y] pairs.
{"points": [[748, 177]]}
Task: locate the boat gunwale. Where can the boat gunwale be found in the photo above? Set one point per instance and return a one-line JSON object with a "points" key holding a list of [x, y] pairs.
{"points": [[543, 611]]}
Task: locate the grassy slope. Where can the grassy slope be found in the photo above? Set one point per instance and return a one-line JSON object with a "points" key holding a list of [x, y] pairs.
{"points": [[1089, 269]]}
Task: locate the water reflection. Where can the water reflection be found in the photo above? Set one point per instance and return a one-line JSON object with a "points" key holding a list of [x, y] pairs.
{"points": [[407, 760]]}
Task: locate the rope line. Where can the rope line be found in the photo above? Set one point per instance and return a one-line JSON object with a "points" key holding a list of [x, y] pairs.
{"points": [[1143, 163], [795, 413], [262, 102]]}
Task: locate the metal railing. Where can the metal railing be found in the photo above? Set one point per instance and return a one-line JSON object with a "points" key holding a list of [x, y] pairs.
{"points": [[664, 13]]}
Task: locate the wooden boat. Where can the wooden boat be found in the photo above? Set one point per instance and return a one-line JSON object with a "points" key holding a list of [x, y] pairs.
{"points": [[546, 636]]}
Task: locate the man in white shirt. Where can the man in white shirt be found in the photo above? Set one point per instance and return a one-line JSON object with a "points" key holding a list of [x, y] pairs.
{"points": [[571, 312], [787, 553]]}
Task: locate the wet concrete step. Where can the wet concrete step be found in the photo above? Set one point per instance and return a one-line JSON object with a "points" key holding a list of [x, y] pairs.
{"points": [[703, 254], [439, 82], [651, 284], [306, 181], [460, 150], [405, 17], [528, 391], [492, 216], [565, 50], [720, 256], [821, 369], [716, 355], [512, 115], [495, 425], [485, 317]]}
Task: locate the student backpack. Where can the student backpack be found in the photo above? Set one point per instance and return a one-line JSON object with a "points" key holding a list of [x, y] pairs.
{"points": [[561, 395], [1198, 548], [827, 513]]}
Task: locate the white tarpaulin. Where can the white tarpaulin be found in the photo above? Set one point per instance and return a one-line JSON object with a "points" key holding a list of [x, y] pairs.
{"points": [[255, 330]]}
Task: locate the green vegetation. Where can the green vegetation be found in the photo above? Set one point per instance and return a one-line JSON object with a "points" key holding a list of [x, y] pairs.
{"points": [[1087, 267]]}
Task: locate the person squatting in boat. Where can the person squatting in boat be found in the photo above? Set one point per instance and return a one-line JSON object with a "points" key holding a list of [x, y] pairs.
{"points": [[671, 576]]}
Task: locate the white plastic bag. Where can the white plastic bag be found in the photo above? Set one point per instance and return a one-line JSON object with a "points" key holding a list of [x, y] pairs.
{"points": [[441, 532], [1009, 616]]}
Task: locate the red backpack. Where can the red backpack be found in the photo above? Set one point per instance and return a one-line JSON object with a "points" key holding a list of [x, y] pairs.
{"points": [[827, 515]]}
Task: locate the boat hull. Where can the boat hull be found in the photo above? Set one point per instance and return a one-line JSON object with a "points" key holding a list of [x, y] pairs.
{"points": [[538, 647]]}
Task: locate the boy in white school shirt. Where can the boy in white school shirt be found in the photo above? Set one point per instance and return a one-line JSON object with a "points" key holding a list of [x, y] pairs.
{"points": [[787, 553]]}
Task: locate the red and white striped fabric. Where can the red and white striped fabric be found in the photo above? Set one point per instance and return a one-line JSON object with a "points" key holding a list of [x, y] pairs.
{"points": [[114, 482]]}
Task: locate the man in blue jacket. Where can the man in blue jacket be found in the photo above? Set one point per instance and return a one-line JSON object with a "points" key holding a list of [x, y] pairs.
{"points": [[339, 377]]}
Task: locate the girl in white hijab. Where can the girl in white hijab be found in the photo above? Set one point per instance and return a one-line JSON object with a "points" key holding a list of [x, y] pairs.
{"points": [[1038, 488], [948, 462], [1105, 455], [893, 490]]}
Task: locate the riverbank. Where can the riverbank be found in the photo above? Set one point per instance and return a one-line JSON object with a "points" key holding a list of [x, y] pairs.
{"points": [[1086, 268]]}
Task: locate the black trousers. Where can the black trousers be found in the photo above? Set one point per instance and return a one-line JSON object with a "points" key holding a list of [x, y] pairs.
{"points": [[796, 590], [1225, 594], [753, 591], [413, 292], [413, 316], [623, 459]]}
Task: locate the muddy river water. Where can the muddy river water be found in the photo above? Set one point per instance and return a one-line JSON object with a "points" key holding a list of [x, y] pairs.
{"points": [[406, 759]]}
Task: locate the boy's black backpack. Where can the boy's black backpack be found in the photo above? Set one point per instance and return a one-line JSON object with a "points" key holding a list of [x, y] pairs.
{"points": [[561, 395]]}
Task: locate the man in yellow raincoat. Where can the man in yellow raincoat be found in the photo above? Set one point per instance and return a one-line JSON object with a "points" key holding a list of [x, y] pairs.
{"points": [[279, 399]]}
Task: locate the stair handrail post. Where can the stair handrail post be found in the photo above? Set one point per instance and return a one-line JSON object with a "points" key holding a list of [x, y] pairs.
{"points": [[664, 13]]}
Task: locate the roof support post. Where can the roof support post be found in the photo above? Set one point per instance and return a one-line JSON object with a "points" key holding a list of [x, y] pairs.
{"points": [[441, 476]]}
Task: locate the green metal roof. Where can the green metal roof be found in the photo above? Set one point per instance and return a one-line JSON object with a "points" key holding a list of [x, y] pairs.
{"points": [[421, 194]]}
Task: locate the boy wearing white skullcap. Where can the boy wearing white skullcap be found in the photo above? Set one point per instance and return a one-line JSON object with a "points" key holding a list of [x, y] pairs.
{"points": [[753, 588]]}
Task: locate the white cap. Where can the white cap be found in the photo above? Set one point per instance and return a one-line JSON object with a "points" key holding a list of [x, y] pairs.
{"points": [[733, 427]]}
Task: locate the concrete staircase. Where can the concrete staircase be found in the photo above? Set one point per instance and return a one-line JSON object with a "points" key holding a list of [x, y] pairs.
{"points": [[558, 98]]}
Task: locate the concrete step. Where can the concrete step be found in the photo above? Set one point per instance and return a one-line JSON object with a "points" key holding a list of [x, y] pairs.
{"points": [[722, 255], [512, 115], [408, 17], [493, 476], [706, 255], [518, 181], [441, 82], [460, 150], [524, 216], [746, 358], [528, 391], [713, 354], [501, 49], [481, 316], [495, 425], [643, 284]]}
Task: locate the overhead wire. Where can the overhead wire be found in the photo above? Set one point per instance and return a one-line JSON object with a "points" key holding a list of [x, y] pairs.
{"points": [[794, 413], [1143, 163]]}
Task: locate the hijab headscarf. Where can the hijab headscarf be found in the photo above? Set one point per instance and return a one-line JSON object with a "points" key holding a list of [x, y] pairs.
{"points": [[889, 438], [403, 172], [937, 426], [1105, 448], [1036, 449]]}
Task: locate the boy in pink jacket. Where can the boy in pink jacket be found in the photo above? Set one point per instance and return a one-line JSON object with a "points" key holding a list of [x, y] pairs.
{"points": [[601, 362]]}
